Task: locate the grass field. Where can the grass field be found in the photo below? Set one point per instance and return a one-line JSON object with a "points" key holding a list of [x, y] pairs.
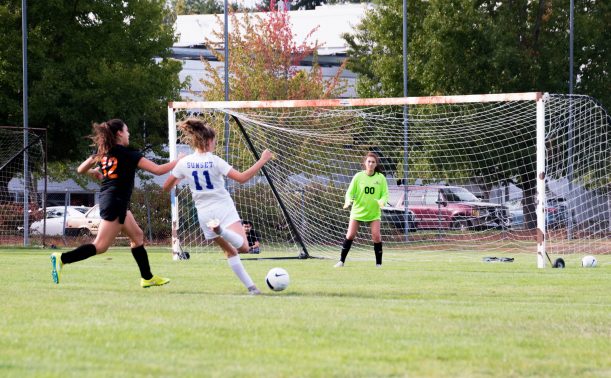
{"points": [[420, 315]]}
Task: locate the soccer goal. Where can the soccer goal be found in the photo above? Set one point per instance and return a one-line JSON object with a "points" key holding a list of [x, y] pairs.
{"points": [[477, 173], [22, 169]]}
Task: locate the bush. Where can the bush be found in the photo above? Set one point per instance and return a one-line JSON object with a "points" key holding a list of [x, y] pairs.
{"points": [[158, 202]]}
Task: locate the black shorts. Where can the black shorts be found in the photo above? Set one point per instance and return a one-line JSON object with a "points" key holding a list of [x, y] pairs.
{"points": [[112, 208]]}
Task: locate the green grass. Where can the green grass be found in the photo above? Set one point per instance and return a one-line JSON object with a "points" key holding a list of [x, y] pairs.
{"points": [[421, 315]]}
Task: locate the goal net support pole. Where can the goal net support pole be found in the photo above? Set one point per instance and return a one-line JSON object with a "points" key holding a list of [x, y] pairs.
{"points": [[304, 253]]}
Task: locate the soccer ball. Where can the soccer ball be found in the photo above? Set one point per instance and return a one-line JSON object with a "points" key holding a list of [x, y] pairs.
{"points": [[277, 279], [588, 262]]}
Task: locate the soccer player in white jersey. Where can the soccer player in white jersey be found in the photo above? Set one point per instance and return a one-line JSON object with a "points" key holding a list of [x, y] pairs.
{"points": [[216, 211], [367, 193]]}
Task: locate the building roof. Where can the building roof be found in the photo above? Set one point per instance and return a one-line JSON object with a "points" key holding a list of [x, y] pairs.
{"points": [[332, 21]]}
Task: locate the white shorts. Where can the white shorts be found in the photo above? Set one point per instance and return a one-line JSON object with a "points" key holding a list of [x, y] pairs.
{"points": [[227, 215]]}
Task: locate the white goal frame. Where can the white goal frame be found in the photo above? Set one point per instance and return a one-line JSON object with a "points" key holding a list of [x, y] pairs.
{"points": [[538, 97]]}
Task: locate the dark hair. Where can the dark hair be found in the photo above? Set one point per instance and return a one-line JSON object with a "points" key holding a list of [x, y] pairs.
{"points": [[196, 133], [105, 135], [378, 167], [244, 222]]}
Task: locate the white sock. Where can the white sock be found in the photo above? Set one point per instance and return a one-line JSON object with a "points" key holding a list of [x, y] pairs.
{"points": [[236, 265], [232, 238]]}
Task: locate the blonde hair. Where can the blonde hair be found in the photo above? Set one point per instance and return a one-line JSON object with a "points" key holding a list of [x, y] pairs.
{"points": [[196, 133]]}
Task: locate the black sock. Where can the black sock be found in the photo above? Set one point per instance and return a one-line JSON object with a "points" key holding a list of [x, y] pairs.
{"points": [[377, 249], [345, 249], [142, 259], [83, 252]]}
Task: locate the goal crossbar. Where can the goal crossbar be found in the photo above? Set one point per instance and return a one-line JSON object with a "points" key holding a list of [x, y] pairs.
{"points": [[396, 101]]}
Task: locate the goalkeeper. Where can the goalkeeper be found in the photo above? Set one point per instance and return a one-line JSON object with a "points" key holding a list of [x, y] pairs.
{"points": [[367, 193]]}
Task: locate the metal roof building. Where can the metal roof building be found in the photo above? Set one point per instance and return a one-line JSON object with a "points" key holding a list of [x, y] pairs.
{"points": [[330, 21]]}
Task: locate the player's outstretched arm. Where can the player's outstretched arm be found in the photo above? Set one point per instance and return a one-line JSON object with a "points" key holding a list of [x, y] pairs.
{"points": [[242, 177], [87, 167], [158, 169], [170, 182]]}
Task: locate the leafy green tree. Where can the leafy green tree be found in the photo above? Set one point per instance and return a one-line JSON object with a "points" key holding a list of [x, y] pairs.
{"points": [[89, 61], [484, 46], [375, 49], [509, 46], [198, 6]]}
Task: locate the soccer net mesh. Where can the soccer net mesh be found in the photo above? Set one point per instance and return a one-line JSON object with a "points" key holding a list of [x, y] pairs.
{"points": [[470, 164], [15, 185]]}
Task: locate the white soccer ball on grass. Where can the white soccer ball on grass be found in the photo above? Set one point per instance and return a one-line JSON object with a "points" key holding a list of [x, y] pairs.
{"points": [[588, 262], [277, 279]]}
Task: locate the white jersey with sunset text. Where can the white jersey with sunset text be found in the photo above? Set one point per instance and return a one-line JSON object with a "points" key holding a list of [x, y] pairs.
{"points": [[206, 175]]}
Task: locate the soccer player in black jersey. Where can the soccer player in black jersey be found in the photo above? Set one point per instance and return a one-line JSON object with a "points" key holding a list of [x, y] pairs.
{"points": [[115, 164]]}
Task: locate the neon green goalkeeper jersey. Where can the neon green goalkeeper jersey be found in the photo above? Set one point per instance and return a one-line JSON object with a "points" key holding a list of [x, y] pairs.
{"points": [[364, 192]]}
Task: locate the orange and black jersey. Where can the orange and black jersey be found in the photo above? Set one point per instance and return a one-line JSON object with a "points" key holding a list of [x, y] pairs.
{"points": [[119, 169]]}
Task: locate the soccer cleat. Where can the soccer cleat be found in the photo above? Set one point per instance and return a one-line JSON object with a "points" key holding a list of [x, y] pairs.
{"points": [[154, 281], [253, 290], [56, 266], [339, 264], [378, 265], [213, 224]]}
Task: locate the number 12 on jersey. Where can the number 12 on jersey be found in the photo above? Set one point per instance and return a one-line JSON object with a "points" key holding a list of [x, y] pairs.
{"points": [[198, 186]]}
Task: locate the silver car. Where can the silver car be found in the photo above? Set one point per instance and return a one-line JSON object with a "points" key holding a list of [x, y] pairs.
{"points": [[55, 217]]}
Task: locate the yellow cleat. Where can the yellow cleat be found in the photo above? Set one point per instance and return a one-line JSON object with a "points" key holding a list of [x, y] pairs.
{"points": [[155, 281], [56, 266]]}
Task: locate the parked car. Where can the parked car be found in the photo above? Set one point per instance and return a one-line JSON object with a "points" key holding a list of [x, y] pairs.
{"points": [[556, 213], [87, 225], [516, 213], [449, 207], [55, 218], [396, 217]]}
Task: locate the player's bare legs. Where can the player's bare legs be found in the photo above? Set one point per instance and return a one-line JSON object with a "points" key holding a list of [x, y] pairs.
{"points": [[107, 233], [234, 234], [353, 227]]}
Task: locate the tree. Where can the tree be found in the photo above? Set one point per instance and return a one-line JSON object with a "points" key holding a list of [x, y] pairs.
{"points": [[517, 45], [375, 49], [263, 62], [198, 6], [509, 46], [88, 61]]}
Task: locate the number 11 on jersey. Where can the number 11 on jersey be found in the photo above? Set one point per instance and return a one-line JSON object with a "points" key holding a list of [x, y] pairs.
{"points": [[196, 180]]}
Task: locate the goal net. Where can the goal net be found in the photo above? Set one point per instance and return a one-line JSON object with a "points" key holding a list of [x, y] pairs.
{"points": [[22, 178], [480, 173]]}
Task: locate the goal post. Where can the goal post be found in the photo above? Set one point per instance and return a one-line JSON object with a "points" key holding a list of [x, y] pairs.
{"points": [[23, 182], [485, 173]]}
